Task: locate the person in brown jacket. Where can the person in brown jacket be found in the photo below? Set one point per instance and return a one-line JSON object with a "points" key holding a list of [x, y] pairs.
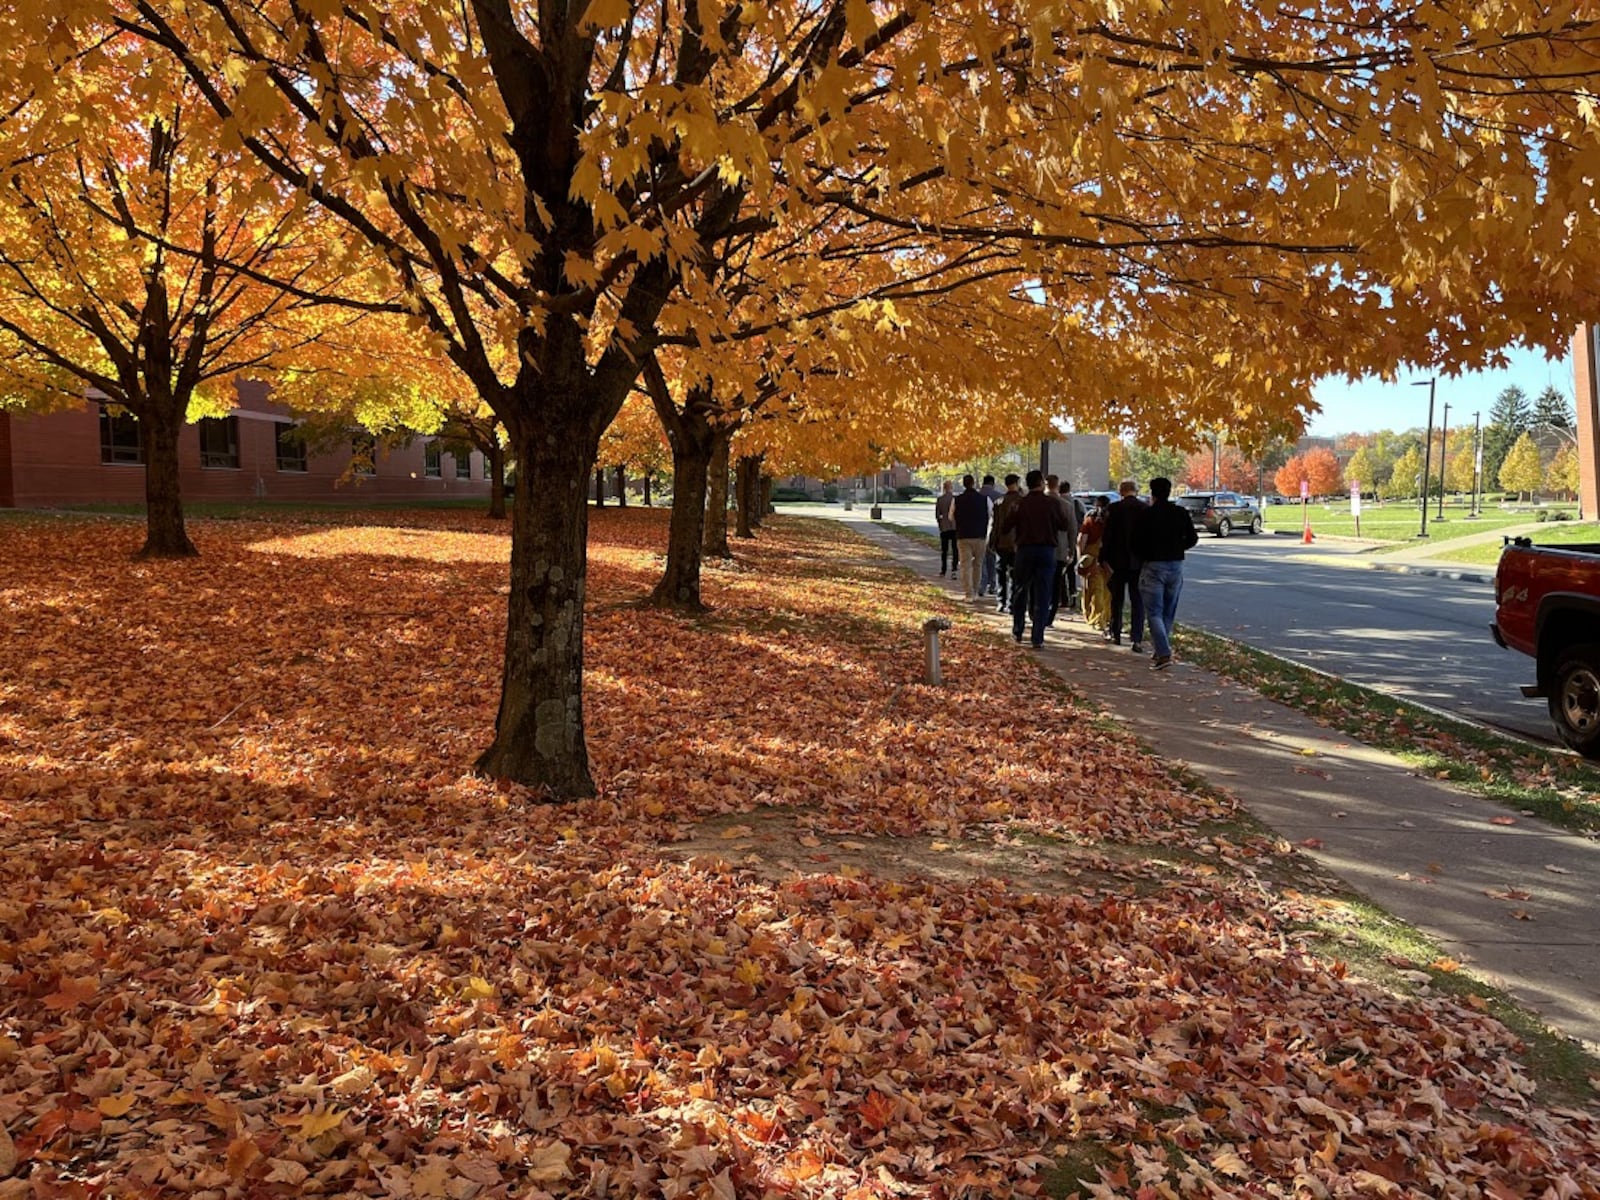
{"points": [[1037, 520]]}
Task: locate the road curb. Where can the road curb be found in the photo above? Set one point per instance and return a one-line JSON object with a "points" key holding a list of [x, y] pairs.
{"points": [[1463, 574]]}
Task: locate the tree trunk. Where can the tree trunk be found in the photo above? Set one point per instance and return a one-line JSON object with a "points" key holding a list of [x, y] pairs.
{"points": [[165, 536], [622, 485], [765, 506], [497, 483], [539, 730], [599, 487], [745, 492], [688, 527], [716, 537], [647, 477]]}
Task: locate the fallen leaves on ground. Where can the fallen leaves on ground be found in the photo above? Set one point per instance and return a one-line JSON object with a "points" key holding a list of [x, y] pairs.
{"points": [[266, 936]]}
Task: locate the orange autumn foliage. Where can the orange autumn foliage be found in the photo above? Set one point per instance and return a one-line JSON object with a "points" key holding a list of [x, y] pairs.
{"points": [[826, 930]]}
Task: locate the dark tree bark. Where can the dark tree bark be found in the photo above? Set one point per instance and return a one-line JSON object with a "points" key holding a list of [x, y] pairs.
{"points": [[744, 493], [599, 487], [716, 537], [693, 440], [648, 475], [765, 507], [496, 457], [622, 485], [539, 730], [165, 536]]}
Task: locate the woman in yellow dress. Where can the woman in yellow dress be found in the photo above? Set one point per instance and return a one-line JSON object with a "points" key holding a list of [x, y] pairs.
{"points": [[1096, 576]]}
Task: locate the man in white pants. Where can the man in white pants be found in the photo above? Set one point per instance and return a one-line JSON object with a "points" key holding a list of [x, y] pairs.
{"points": [[972, 534]]}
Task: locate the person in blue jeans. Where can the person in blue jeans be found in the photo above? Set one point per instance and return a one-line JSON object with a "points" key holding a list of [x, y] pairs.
{"points": [[1160, 536], [1035, 520]]}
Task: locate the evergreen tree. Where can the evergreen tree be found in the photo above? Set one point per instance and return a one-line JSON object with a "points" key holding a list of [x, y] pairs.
{"points": [[1508, 420], [1551, 407]]}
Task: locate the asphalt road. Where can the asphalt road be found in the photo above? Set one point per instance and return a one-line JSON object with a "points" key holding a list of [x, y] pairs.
{"points": [[1418, 637]]}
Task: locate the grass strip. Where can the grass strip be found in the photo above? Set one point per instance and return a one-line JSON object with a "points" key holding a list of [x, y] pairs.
{"points": [[1558, 787], [914, 532]]}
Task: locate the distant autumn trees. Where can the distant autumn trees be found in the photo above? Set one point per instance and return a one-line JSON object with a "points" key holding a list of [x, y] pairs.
{"points": [[1318, 469]]}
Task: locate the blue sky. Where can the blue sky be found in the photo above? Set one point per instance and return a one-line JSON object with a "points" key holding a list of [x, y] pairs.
{"points": [[1373, 404]]}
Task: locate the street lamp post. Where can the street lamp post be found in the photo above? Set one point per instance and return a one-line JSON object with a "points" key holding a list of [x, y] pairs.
{"points": [[1216, 458], [1477, 459], [1427, 453], [1444, 454]]}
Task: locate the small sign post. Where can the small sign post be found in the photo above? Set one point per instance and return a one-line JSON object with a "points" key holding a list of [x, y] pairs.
{"points": [[1305, 511], [1355, 503]]}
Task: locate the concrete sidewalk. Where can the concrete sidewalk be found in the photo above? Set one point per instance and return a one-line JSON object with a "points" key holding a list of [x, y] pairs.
{"points": [[1515, 899]]}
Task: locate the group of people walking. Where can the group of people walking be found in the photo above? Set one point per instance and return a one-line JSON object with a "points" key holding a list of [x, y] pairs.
{"points": [[1037, 550]]}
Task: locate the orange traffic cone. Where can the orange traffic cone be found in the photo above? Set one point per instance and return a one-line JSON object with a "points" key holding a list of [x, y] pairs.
{"points": [[1307, 539]]}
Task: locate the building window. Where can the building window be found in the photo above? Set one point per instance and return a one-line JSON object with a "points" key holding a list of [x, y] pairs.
{"points": [[464, 465], [291, 446], [219, 443], [431, 460], [119, 438], [363, 454]]}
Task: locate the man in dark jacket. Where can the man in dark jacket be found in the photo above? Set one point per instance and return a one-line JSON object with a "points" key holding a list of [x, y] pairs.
{"points": [[972, 531], [1035, 520], [1116, 551], [1004, 543], [991, 562], [1165, 530]]}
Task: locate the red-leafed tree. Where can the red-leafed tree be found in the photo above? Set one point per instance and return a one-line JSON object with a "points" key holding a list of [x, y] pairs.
{"points": [[1318, 469], [1234, 472]]}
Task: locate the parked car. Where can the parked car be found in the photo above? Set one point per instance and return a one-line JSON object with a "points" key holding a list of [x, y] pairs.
{"points": [[1221, 512], [1547, 606]]}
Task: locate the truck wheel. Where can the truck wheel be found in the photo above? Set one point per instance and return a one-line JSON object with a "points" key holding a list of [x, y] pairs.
{"points": [[1255, 525], [1575, 699], [1224, 527]]}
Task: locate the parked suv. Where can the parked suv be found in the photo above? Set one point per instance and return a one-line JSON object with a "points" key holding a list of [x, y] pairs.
{"points": [[1221, 512]]}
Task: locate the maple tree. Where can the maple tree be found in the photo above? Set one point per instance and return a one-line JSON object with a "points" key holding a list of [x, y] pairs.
{"points": [[1523, 470], [552, 188], [1405, 477], [1318, 468], [1561, 476], [1365, 468], [142, 266], [1234, 472], [1461, 467]]}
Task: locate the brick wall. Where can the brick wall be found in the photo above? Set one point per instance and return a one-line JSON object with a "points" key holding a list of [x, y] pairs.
{"points": [[53, 459], [5, 460]]}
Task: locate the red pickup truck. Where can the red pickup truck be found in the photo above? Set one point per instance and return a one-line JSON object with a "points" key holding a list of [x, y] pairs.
{"points": [[1547, 605]]}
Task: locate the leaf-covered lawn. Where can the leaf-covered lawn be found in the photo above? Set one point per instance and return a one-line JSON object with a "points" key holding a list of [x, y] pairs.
{"points": [[264, 935]]}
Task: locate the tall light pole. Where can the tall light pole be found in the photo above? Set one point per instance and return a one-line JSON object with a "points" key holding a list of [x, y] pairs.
{"points": [[1444, 454], [1477, 458], [1216, 457], [1427, 453]]}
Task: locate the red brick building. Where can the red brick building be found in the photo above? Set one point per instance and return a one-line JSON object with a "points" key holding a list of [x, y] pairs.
{"points": [[89, 456]]}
